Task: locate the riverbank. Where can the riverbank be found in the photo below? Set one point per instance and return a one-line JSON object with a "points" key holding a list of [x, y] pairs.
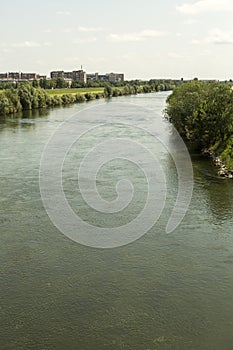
{"points": [[75, 91], [223, 170], [203, 114], [46, 93], [27, 97]]}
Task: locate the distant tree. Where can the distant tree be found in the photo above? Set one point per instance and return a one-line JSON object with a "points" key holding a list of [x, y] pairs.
{"points": [[108, 91], [80, 98], [26, 98], [61, 83], [202, 111], [35, 83]]}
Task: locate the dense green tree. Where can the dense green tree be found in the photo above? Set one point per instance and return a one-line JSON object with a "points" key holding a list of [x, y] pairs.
{"points": [[26, 97], [203, 113], [14, 101], [68, 99], [116, 92], [80, 98], [35, 83], [56, 101], [89, 96], [61, 83], [108, 91]]}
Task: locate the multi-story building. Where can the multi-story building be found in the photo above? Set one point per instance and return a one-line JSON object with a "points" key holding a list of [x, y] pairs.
{"points": [[103, 77], [57, 74], [92, 77], [3, 76], [14, 75], [74, 75], [29, 76], [80, 75], [68, 75], [108, 77], [115, 77], [19, 76]]}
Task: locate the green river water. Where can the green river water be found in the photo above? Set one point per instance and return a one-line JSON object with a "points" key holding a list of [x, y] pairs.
{"points": [[160, 292]]}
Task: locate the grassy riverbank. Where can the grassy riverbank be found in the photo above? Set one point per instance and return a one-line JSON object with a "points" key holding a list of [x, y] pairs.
{"points": [[26, 97], [74, 91]]}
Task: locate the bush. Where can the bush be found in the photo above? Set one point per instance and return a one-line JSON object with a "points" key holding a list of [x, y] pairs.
{"points": [[89, 96], [68, 99], [80, 98], [203, 113], [56, 101]]}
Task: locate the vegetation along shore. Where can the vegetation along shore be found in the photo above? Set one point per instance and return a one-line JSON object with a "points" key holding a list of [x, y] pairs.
{"points": [[15, 97], [203, 114]]}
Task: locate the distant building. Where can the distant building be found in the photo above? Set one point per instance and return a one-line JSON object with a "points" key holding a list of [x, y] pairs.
{"points": [[108, 77], [29, 76], [3, 76], [92, 77], [80, 75], [57, 74], [42, 77], [14, 76], [115, 77], [103, 77], [68, 75], [74, 75], [19, 76]]}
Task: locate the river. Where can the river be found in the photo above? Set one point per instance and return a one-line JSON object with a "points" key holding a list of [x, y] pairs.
{"points": [[162, 291]]}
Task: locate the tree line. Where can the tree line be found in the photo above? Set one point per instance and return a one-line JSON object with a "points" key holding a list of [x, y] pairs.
{"points": [[27, 96], [60, 83], [203, 113]]}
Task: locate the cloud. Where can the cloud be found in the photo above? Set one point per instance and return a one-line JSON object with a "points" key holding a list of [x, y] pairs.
{"points": [[190, 21], [90, 29], [67, 30], [174, 55], [5, 50], [26, 44], [81, 29], [216, 36], [203, 6], [178, 56], [84, 41], [140, 36], [63, 13]]}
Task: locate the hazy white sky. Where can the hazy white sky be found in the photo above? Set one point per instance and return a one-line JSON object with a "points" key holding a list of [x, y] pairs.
{"points": [[144, 39]]}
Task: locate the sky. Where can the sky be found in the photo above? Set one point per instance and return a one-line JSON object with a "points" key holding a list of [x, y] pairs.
{"points": [[143, 39]]}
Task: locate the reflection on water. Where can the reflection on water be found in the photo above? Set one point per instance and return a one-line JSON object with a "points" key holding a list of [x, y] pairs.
{"points": [[223, 208], [23, 119], [218, 191], [162, 292]]}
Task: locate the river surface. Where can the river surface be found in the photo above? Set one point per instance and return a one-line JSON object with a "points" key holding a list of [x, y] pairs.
{"points": [[159, 292]]}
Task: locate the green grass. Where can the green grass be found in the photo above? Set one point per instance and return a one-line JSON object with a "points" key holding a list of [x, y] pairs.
{"points": [[75, 91], [82, 91], [72, 91]]}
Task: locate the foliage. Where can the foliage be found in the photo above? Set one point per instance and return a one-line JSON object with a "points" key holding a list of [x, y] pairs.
{"points": [[80, 98], [203, 113], [68, 99], [108, 91], [90, 96], [47, 93]]}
